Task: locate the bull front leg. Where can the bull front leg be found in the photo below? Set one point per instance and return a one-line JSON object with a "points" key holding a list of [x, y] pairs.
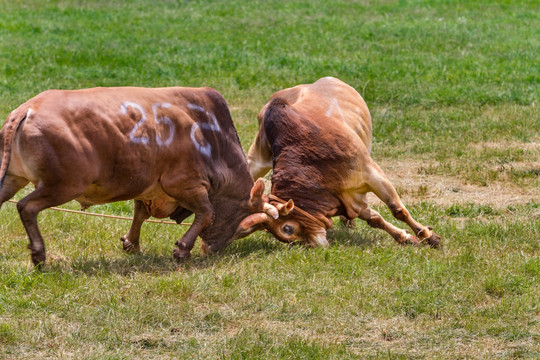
{"points": [[130, 241], [259, 156], [204, 215]]}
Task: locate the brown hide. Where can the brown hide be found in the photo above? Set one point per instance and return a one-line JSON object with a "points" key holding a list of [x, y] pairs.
{"points": [[174, 150], [317, 140]]}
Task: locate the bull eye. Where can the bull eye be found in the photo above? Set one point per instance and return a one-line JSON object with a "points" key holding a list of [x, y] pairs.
{"points": [[288, 229]]}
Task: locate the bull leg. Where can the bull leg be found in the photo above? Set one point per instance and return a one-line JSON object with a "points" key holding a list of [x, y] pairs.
{"points": [[357, 206], [384, 190], [130, 241], [375, 220], [11, 185], [259, 156], [204, 215], [30, 206]]}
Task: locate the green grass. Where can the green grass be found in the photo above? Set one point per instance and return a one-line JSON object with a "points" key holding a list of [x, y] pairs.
{"points": [[453, 88]]}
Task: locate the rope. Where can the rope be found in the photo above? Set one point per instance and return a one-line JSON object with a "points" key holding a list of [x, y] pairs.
{"points": [[110, 216], [272, 197], [305, 213]]}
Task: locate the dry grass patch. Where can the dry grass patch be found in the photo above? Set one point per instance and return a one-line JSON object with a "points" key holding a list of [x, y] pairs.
{"points": [[429, 180]]}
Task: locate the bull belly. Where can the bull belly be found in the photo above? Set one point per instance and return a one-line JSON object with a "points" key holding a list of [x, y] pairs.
{"points": [[157, 203]]}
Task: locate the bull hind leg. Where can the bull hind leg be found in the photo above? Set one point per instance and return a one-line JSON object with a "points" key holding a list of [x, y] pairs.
{"points": [[29, 207], [357, 206], [384, 190], [10, 186], [130, 241]]}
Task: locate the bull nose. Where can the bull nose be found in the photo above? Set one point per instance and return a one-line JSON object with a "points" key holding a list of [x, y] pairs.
{"points": [[318, 240]]}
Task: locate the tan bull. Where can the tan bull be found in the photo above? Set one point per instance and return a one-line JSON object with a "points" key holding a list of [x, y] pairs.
{"points": [[317, 140], [174, 150]]}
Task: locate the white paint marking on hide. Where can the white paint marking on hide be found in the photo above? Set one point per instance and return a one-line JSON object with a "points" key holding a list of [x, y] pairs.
{"points": [[140, 139], [335, 104], [163, 120], [214, 126], [206, 150]]}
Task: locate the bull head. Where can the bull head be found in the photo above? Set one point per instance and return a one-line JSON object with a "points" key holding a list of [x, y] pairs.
{"points": [[288, 227]]}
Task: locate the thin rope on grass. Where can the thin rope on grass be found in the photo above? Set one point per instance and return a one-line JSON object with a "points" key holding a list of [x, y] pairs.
{"points": [[111, 216]]}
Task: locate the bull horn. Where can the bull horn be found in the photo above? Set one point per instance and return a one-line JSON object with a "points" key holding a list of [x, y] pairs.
{"points": [[271, 210], [247, 225]]}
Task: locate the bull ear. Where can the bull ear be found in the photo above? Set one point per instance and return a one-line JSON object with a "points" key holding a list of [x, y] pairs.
{"points": [[256, 200], [286, 208], [257, 192]]}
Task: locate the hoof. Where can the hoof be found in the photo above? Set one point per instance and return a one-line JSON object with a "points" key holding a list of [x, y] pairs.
{"points": [[434, 241], [38, 259], [181, 255], [428, 236], [128, 246], [411, 240], [408, 239]]}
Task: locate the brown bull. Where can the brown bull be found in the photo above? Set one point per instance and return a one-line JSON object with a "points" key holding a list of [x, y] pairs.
{"points": [[317, 140], [174, 150]]}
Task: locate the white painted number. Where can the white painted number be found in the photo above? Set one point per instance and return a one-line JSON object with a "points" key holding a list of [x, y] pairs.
{"points": [[165, 120], [333, 105], [214, 126], [206, 149], [132, 137], [159, 120]]}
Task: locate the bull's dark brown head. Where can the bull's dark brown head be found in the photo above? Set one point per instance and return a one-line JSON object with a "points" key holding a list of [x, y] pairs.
{"points": [[234, 221]]}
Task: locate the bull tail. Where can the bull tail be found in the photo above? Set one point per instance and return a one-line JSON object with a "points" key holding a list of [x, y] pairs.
{"points": [[10, 128]]}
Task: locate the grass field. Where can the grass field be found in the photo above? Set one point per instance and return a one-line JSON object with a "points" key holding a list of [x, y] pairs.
{"points": [[454, 91]]}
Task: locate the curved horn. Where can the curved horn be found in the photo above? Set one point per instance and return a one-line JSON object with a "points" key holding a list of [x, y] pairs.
{"points": [[250, 224], [271, 210]]}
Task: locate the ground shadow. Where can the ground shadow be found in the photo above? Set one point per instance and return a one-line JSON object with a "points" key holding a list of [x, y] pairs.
{"points": [[148, 261], [353, 234], [259, 245]]}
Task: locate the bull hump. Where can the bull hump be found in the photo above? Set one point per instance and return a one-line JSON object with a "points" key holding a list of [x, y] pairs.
{"points": [[278, 102]]}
